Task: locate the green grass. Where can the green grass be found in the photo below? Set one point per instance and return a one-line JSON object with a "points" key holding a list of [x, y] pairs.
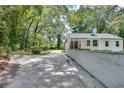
{"points": [[30, 53], [83, 49]]}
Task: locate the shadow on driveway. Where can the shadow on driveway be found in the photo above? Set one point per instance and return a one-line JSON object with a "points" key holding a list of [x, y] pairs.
{"points": [[47, 71]]}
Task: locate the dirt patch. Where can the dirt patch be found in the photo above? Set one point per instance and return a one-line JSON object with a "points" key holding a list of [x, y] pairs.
{"points": [[4, 62], [3, 65], [7, 73]]}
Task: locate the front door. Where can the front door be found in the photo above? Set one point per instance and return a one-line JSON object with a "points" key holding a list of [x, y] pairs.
{"points": [[76, 44]]}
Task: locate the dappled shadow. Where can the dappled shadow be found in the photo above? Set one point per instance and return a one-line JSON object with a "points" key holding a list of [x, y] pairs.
{"points": [[7, 75], [48, 71], [25, 58]]}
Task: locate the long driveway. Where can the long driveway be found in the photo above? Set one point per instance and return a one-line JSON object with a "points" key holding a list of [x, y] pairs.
{"points": [[54, 70], [47, 71]]}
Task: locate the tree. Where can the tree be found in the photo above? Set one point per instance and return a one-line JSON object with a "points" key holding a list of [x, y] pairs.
{"points": [[121, 30], [23, 27], [104, 18]]}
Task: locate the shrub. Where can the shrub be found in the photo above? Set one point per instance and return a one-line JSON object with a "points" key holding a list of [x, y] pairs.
{"points": [[52, 47], [45, 47], [8, 50], [62, 47], [35, 50]]}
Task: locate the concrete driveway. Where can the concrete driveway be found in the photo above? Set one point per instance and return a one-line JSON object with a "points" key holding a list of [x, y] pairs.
{"points": [[106, 67], [47, 71]]}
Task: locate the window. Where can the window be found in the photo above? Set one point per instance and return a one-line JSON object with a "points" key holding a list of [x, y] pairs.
{"points": [[95, 43], [106, 43], [117, 43], [88, 42]]}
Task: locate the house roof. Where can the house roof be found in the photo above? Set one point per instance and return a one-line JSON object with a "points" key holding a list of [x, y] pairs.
{"points": [[98, 35]]}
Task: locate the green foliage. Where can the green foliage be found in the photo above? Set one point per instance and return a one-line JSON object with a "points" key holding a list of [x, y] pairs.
{"points": [[45, 47], [104, 18], [7, 49], [23, 27], [52, 47], [121, 30], [62, 47]]}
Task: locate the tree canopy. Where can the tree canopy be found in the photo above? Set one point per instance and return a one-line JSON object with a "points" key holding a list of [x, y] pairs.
{"points": [[44, 27]]}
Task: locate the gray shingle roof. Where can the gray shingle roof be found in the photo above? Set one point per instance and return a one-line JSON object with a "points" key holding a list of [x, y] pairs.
{"points": [[98, 35]]}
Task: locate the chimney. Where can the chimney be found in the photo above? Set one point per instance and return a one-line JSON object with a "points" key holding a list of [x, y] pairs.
{"points": [[94, 32]]}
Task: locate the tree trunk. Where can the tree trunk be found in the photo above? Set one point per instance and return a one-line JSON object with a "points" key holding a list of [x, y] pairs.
{"points": [[58, 41], [1, 38], [27, 33], [1, 41]]}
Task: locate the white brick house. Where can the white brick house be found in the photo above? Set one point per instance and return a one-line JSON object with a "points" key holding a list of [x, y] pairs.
{"points": [[99, 41]]}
